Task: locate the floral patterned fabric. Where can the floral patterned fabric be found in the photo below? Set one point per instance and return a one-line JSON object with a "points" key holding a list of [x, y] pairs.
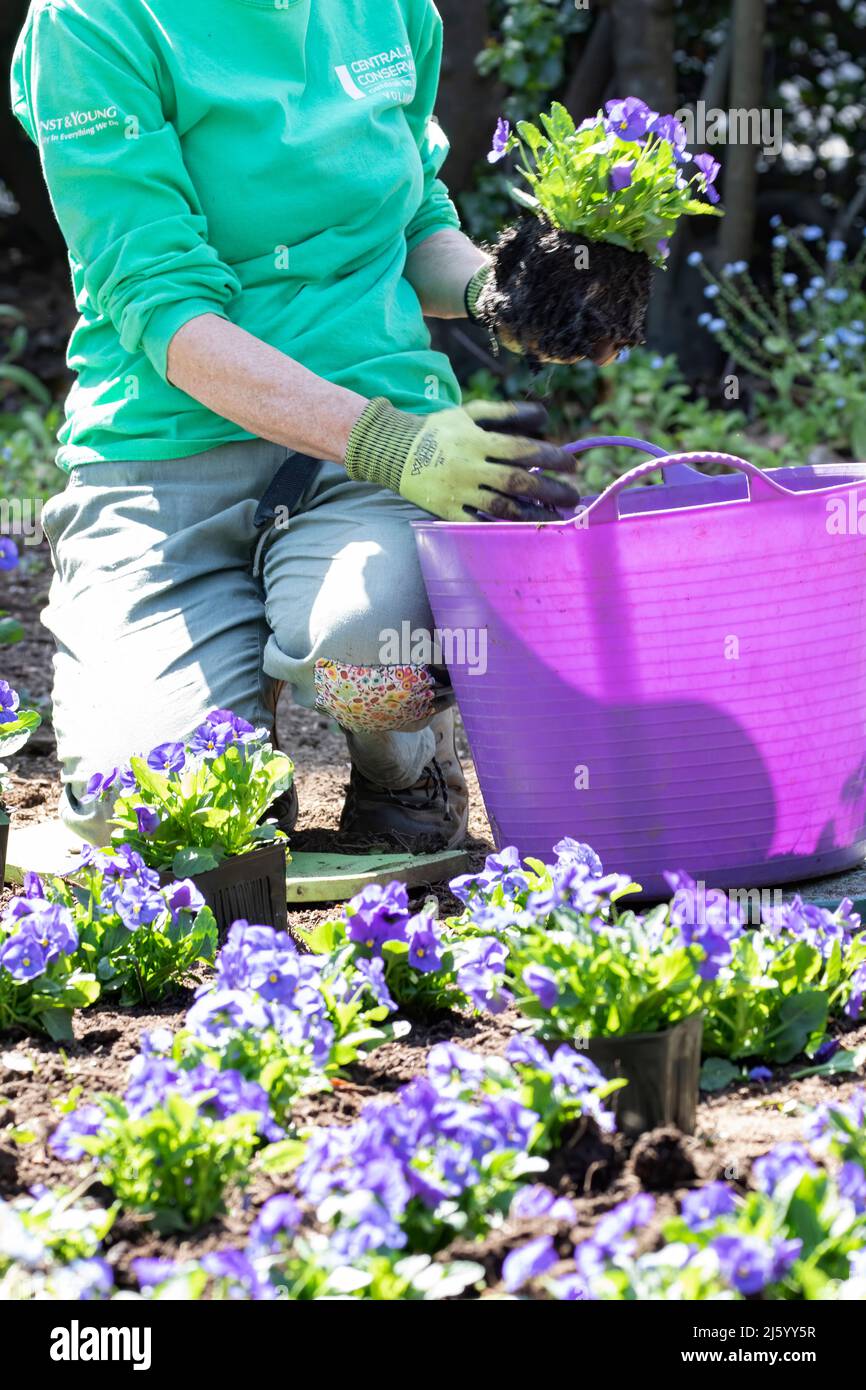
{"points": [[374, 697]]}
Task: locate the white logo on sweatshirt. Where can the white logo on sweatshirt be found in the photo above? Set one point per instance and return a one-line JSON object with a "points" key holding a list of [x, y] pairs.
{"points": [[390, 74], [76, 123]]}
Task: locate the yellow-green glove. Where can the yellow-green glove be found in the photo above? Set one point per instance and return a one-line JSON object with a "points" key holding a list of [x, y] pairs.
{"points": [[453, 465]]}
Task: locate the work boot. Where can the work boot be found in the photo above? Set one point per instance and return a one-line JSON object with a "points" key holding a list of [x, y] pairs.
{"points": [[432, 814]]}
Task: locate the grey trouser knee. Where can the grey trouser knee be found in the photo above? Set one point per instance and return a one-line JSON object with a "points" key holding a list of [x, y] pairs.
{"points": [[167, 602]]}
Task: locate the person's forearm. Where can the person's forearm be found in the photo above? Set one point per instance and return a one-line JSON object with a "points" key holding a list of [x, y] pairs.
{"points": [[261, 389], [440, 268]]}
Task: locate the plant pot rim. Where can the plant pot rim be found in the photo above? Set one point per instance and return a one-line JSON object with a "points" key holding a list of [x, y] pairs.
{"points": [[264, 851], [691, 1020]]}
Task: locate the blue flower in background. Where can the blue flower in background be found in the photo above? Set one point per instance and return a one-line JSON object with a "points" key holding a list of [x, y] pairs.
{"points": [[8, 553]]}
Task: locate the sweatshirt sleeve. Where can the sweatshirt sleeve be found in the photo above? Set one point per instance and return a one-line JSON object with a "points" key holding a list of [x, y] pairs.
{"points": [[116, 177], [437, 211]]}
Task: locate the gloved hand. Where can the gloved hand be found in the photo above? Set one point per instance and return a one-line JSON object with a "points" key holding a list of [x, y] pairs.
{"points": [[453, 465]]}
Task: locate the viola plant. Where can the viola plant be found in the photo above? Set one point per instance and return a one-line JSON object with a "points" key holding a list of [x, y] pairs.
{"points": [[784, 980], [41, 979], [16, 726], [800, 1233], [572, 279], [142, 940], [577, 963], [280, 1261], [176, 1141], [50, 1248], [444, 1157], [287, 1020], [188, 805], [419, 960]]}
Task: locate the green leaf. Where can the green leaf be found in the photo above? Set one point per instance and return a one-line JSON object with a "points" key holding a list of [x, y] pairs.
{"points": [[189, 862], [150, 781], [717, 1073], [799, 1016], [525, 199], [282, 1157], [837, 1065], [58, 1024], [10, 631], [14, 735]]}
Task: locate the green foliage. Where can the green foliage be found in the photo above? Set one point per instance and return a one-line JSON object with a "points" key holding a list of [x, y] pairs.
{"points": [[208, 809], [42, 1236], [645, 397], [570, 171], [47, 1003], [528, 51], [596, 969], [803, 339], [174, 1164], [528, 55], [145, 957]]}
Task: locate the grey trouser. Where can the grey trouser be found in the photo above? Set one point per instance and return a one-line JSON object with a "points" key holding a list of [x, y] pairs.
{"points": [[167, 602]]}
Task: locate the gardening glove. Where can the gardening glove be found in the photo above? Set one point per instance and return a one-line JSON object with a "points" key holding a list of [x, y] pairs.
{"points": [[479, 310], [452, 464]]}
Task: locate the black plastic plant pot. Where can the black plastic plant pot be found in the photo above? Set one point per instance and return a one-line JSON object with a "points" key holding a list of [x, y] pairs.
{"points": [[662, 1071], [249, 887], [4, 842]]}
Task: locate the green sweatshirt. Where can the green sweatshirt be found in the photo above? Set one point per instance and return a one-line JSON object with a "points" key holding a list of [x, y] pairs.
{"points": [[271, 161]]}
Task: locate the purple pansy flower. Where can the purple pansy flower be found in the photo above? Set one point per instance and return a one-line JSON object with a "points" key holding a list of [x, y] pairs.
{"points": [[424, 943], [852, 1184], [528, 1262], [65, 1142], [760, 1074], [535, 1201], [149, 1272], [630, 118], [620, 175], [543, 984], [183, 896], [372, 973], [777, 1166], [279, 1214], [23, 957], [501, 137], [672, 130], [746, 1262], [147, 819], [98, 785], [167, 757], [9, 703], [710, 169], [701, 1208]]}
